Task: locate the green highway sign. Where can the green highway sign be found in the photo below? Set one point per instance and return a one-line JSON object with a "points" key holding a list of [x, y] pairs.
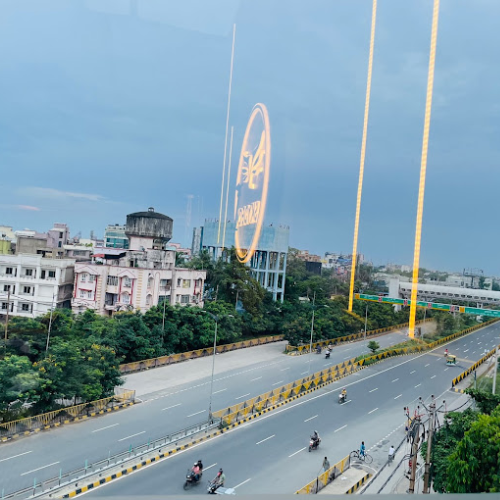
{"points": [[429, 305]]}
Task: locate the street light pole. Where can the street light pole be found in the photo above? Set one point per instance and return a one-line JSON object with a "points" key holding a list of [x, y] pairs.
{"points": [[213, 370], [312, 331], [366, 321], [495, 372]]}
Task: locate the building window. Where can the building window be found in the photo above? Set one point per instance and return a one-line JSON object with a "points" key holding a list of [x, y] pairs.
{"points": [[27, 290], [179, 281], [186, 283], [25, 307], [127, 282], [61, 235], [82, 294], [9, 270], [6, 288], [5, 306], [29, 272], [126, 298], [113, 280], [185, 299], [42, 275], [84, 278], [148, 300], [150, 282], [89, 295], [59, 245], [52, 274]]}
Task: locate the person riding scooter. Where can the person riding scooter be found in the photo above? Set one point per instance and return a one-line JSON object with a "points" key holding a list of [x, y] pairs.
{"points": [[343, 395], [318, 349], [316, 439], [327, 353]]}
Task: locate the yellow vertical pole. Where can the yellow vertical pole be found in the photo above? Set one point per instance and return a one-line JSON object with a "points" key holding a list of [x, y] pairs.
{"points": [[363, 152], [423, 169]]}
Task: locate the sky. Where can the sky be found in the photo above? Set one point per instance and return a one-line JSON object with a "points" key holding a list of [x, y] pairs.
{"points": [[111, 106]]}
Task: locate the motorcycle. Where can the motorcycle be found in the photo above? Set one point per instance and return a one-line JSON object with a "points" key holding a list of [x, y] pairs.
{"points": [[191, 479], [313, 445], [327, 354], [391, 458], [318, 350], [342, 398], [212, 486]]}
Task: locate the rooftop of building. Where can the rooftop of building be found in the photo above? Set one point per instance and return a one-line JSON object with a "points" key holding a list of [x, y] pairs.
{"points": [[150, 214]]}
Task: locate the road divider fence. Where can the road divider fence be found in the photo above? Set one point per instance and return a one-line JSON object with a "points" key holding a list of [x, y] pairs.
{"points": [[325, 478], [257, 404], [473, 368], [304, 349], [147, 364], [37, 423]]}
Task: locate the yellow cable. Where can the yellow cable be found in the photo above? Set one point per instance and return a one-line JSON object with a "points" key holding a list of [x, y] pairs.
{"points": [[363, 152], [423, 169]]}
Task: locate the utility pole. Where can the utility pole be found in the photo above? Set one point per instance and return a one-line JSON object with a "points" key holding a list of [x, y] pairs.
{"points": [[7, 320], [50, 323], [427, 478], [414, 456]]}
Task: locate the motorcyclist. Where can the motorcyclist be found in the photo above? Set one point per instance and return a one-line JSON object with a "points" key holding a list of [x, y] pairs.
{"points": [[315, 438], [200, 465], [330, 347], [219, 479], [318, 349], [446, 353], [328, 353], [344, 393], [195, 471]]}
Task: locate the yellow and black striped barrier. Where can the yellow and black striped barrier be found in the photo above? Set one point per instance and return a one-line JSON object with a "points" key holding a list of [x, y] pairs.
{"points": [[325, 478], [358, 485], [472, 368]]}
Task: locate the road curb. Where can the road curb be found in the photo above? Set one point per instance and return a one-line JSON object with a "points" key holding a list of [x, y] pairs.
{"points": [[358, 485], [66, 422]]}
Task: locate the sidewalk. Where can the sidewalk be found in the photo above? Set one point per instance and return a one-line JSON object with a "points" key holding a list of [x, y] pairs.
{"points": [[349, 482]]}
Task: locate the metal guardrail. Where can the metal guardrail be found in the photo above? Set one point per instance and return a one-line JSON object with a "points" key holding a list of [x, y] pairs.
{"points": [[63, 415], [147, 364], [121, 459]]}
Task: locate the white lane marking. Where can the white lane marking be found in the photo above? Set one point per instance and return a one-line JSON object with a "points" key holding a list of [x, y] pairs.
{"points": [[210, 466], [244, 396], [340, 428], [466, 357], [428, 364], [284, 369], [446, 369], [373, 390], [346, 358], [173, 406], [241, 484], [372, 411], [434, 376], [346, 402], [15, 456], [466, 350], [197, 413], [303, 373], [280, 382], [254, 379], [293, 454], [102, 428], [414, 371], [270, 437], [133, 435], [221, 390], [398, 396], [418, 385], [395, 380], [310, 418], [39, 468]]}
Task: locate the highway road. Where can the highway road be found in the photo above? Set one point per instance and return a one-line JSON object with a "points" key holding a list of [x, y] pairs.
{"points": [[42, 456], [269, 454]]}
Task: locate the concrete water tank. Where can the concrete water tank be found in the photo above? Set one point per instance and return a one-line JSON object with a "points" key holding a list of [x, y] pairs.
{"points": [[149, 224]]}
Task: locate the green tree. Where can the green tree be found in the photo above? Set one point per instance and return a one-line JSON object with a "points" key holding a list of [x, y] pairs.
{"points": [[18, 382], [373, 346], [474, 465]]}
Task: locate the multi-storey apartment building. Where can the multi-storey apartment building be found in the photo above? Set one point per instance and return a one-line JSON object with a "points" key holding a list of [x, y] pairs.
{"points": [[30, 285], [140, 277]]}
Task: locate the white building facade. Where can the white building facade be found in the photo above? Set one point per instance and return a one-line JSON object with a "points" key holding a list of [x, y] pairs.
{"points": [[35, 284]]}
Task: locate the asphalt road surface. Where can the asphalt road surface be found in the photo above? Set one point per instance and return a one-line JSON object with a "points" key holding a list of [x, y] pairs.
{"points": [[269, 454], [42, 456]]}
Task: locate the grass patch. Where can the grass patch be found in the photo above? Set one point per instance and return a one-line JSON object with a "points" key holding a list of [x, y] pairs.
{"points": [[407, 344]]}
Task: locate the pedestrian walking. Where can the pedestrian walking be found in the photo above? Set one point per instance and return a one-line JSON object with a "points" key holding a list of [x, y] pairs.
{"points": [[326, 464]]}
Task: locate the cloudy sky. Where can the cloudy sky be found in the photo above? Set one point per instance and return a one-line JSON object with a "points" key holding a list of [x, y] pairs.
{"points": [[112, 106]]}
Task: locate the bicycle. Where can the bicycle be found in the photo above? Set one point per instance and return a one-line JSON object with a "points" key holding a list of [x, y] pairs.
{"points": [[362, 458]]}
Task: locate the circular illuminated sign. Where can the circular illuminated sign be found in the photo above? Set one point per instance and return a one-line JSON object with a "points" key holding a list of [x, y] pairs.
{"points": [[252, 183]]}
